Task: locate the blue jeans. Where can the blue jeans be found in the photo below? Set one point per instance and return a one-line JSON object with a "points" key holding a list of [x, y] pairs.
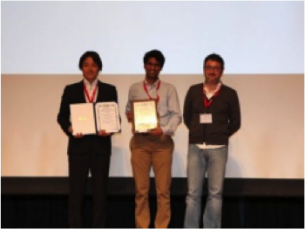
{"points": [[201, 161]]}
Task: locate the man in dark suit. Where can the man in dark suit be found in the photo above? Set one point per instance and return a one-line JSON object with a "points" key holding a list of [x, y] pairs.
{"points": [[87, 152]]}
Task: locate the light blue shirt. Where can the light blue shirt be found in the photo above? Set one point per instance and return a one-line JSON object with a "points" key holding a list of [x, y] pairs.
{"points": [[168, 106]]}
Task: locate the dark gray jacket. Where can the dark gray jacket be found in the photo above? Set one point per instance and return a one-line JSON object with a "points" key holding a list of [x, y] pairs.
{"points": [[225, 112]]}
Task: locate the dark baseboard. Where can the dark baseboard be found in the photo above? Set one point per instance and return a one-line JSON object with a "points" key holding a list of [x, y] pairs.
{"points": [[122, 186]]}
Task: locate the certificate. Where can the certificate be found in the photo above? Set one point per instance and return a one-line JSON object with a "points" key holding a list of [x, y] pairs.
{"points": [[144, 115], [89, 118], [107, 117]]}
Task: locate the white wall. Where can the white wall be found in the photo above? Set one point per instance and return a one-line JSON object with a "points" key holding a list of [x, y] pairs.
{"points": [[270, 143]]}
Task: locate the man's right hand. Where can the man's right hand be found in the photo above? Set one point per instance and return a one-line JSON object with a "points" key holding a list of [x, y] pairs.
{"points": [[129, 116], [77, 135]]}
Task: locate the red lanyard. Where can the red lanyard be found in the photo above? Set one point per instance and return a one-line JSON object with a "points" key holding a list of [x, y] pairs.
{"points": [[207, 103], [90, 99], [146, 90]]}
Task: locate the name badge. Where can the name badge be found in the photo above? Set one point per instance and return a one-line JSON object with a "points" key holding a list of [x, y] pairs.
{"points": [[206, 118]]}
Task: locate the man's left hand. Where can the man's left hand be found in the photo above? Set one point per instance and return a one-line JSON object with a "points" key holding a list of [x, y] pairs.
{"points": [[156, 132], [103, 133]]}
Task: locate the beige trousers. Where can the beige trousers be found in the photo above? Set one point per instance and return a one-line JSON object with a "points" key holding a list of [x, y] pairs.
{"points": [[155, 152]]}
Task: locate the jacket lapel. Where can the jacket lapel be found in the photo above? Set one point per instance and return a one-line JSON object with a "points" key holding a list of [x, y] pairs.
{"points": [[100, 92], [80, 92]]}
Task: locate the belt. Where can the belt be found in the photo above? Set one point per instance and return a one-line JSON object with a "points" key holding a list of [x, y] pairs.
{"points": [[142, 134]]}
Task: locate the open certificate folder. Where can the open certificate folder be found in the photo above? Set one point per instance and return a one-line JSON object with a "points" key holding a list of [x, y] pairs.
{"points": [[89, 118]]}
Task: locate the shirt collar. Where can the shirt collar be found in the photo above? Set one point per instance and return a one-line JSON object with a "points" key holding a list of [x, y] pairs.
{"points": [[151, 85], [90, 85], [216, 89]]}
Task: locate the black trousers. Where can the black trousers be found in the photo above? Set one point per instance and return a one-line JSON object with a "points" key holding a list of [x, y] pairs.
{"points": [[79, 167]]}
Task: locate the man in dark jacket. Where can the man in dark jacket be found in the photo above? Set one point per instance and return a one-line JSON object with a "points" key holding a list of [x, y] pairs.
{"points": [[212, 115], [87, 152]]}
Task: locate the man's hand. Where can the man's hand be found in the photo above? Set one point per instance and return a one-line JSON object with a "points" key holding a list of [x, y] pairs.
{"points": [[103, 133], [129, 116], [156, 132], [77, 135]]}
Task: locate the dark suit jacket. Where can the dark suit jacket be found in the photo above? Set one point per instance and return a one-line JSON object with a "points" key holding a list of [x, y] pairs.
{"points": [[74, 93]]}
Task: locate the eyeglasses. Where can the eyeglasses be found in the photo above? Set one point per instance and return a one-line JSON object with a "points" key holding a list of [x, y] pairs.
{"points": [[210, 68]]}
